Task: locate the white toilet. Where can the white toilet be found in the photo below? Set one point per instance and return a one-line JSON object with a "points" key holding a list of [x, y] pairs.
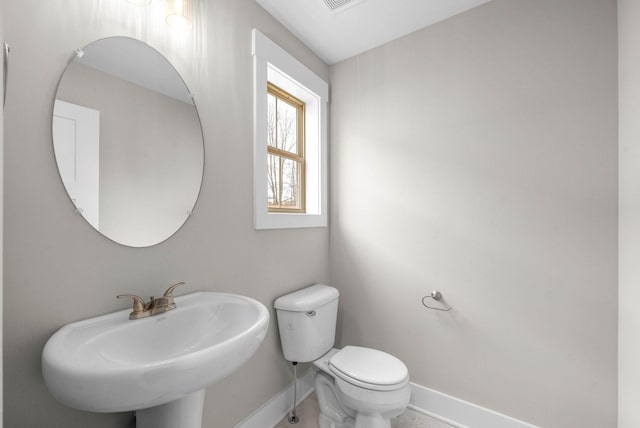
{"points": [[356, 387]]}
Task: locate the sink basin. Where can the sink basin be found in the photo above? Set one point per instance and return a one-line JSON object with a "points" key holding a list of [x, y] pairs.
{"points": [[113, 364]]}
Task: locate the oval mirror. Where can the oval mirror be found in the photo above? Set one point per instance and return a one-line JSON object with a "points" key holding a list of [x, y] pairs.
{"points": [[128, 141]]}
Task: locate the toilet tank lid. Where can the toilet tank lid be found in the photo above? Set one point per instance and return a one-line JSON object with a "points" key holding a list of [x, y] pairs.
{"points": [[307, 299]]}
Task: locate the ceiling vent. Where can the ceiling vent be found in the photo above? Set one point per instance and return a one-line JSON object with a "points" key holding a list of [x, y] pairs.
{"points": [[334, 5]]}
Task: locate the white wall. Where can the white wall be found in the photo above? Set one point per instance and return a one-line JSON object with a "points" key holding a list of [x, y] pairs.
{"points": [[58, 269], [478, 157], [629, 213]]}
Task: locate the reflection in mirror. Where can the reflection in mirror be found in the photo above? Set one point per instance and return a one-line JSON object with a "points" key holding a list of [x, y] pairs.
{"points": [[128, 141]]}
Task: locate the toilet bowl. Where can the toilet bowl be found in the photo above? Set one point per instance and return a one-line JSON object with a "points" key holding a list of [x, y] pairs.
{"points": [[360, 387], [357, 387]]}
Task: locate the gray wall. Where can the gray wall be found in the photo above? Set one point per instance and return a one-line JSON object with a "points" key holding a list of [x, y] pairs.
{"points": [[629, 215], [1, 206], [478, 157], [60, 270]]}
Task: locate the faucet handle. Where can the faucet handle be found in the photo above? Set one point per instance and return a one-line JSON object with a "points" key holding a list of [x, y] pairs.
{"points": [[169, 292], [138, 306]]}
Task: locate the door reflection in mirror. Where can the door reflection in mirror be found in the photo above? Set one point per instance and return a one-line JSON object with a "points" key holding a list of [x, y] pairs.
{"points": [[76, 139]]}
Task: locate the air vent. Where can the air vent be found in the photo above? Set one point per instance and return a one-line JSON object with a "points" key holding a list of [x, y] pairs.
{"points": [[334, 5]]}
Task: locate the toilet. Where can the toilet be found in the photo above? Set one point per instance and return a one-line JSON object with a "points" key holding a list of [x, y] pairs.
{"points": [[357, 387]]}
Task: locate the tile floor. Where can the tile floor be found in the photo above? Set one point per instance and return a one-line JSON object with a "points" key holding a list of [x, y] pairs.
{"points": [[308, 411]]}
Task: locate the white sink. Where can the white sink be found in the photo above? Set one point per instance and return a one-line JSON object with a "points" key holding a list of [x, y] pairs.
{"points": [[113, 364]]}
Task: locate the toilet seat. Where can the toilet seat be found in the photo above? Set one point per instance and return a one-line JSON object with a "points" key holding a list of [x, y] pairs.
{"points": [[369, 368]]}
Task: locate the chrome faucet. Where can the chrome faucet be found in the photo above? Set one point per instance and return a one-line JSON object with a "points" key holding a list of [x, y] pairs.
{"points": [[142, 309]]}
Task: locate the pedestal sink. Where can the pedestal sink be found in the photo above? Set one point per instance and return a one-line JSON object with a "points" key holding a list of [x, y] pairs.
{"points": [[158, 366]]}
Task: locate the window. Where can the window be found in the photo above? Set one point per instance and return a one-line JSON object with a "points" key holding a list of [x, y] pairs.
{"points": [[285, 151], [290, 155]]}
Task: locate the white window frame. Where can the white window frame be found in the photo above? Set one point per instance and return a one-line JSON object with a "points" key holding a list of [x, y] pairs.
{"points": [[273, 64]]}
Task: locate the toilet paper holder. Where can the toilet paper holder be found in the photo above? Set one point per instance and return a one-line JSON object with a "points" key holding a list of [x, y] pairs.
{"points": [[437, 296]]}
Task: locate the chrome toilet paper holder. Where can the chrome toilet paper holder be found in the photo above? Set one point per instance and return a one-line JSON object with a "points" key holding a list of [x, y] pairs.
{"points": [[437, 296]]}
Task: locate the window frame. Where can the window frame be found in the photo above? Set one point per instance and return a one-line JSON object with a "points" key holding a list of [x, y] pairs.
{"points": [[299, 157], [273, 64]]}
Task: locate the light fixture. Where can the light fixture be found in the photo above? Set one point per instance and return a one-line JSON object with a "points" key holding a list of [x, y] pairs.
{"points": [[139, 2], [179, 14]]}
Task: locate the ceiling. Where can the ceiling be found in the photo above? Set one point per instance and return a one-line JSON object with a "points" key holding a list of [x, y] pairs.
{"points": [[358, 25]]}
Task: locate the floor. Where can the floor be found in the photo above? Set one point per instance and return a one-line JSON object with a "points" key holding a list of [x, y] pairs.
{"points": [[308, 411]]}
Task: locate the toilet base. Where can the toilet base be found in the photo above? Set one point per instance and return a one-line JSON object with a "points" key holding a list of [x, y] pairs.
{"points": [[332, 414], [325, 422], [371, 421]]}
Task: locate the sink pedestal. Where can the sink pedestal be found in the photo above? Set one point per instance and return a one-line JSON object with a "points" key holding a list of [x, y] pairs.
{"points": [[184, 413]]}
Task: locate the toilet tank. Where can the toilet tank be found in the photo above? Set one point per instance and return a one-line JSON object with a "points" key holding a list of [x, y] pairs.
{"points": [[307, 322]]}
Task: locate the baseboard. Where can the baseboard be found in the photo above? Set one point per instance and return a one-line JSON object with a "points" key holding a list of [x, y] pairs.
{"points": [[450, 410], [273, 411], [459, 413]]}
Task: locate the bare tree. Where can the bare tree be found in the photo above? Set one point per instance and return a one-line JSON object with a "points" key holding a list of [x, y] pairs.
{"points": [[282, 135]]}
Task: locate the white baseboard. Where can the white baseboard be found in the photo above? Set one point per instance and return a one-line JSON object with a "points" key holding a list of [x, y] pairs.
{"points": [[450, 410], [274, 410], [459, 413]]}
